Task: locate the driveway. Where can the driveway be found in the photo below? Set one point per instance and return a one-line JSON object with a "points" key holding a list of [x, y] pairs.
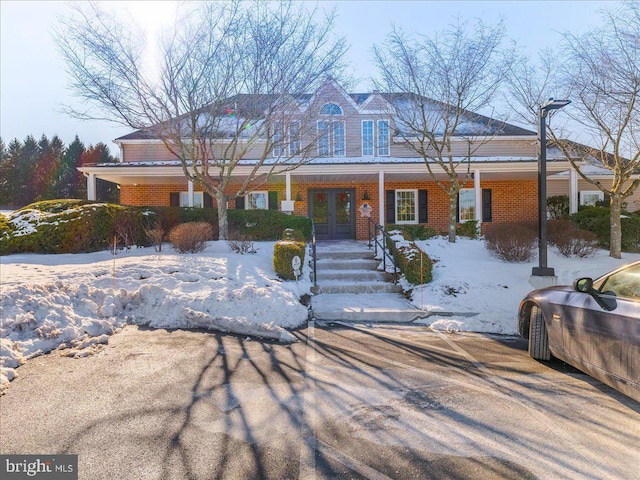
{"points": [[346, 401]]}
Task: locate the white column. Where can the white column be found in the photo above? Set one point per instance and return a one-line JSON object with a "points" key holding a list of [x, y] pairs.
{"points": [[478, 192], [287, 187], [190, 193], [381, 196], [91, 187], [573, 191]]}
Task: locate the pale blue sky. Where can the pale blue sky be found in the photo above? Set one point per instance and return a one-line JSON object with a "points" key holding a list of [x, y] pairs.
{"points": [[33, 81]]}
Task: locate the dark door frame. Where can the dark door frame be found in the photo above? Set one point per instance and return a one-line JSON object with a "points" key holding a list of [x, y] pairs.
{"points": [[333, 230]]}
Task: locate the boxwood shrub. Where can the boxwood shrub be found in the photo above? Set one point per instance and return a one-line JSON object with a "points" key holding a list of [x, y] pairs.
{"points": [[414, 263], [283, 253]]}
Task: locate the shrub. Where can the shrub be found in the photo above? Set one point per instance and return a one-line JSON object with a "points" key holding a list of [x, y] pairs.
{"points": [[598, 220], [570, 240], [292, 234], [240, 243], [283, 253], [413, 232], [155, 235], [468, 229], [415, 264], [190, 237], [511, 242], [558, 207], [267, 224]]}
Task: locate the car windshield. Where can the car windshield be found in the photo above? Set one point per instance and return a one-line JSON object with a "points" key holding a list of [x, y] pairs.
{"points": [[625, 283]]}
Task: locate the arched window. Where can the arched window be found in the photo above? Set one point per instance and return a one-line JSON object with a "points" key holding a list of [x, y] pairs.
{"points": [[330, 109]]}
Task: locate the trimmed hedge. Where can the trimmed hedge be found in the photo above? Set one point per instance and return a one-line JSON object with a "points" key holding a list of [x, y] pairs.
{"points": [[283, 253], [413, 232], [598, 220], [410, 259]]}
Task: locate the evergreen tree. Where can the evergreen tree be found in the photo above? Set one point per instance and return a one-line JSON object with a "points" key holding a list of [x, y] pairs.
{"points": [[70, 183]]}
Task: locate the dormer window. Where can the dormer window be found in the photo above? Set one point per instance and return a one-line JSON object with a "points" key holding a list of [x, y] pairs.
{"points": [[331, 109]]}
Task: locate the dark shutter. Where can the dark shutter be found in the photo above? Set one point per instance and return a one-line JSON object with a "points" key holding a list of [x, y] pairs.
{"points": [[486, 205], [423, 206], [207, 200], [457, 208], [606, 201], [174, 199], [239, 203], [391, 207], [273, 200]]}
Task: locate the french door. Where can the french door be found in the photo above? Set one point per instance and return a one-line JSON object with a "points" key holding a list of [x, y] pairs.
{"points": [[333, 213]]}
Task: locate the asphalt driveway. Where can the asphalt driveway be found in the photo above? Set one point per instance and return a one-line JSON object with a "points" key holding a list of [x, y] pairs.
{"points": [[346, 401]]}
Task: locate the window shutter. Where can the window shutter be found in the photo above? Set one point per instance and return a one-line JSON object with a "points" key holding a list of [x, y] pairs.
{"points": [[273, 200], [458, 209], [422, 206], [486, 205], [174, 199], [239, 203], [606, 200], [391, 207], [207, 200]]}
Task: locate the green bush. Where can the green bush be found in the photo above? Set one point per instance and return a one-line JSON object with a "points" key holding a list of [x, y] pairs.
{"points": [[415, 264], [558, 207], [468, 229], [5, 226], [283, 253], [413, 232], [267, 224], [294, 235], [597, 219]]}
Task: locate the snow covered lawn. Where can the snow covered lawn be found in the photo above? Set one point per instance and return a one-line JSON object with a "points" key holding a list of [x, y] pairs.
{"points": [[75, 302]]}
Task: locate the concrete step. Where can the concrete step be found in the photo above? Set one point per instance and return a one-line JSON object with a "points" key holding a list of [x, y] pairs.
{"points": [[345, 264], [351, 276], [379, 307], [341, 254], [356, 288]]}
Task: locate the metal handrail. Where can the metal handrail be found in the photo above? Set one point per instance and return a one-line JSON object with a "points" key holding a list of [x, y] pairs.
{"points": [[313, 251], [387, 245]]}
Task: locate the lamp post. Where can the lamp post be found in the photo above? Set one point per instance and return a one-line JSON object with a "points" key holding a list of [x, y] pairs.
{"points": [[542, 270]]}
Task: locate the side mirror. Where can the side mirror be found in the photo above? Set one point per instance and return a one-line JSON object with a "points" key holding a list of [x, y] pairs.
{"points": [[584, 285]]}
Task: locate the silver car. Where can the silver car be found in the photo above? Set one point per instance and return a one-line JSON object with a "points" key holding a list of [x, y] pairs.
{"points": [[594, 326]]}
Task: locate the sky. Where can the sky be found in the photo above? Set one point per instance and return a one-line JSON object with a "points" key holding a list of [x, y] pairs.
{"points": [[33, 82]]}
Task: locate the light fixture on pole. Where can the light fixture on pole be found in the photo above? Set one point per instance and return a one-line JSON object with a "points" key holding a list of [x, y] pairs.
{"points": [[542, 270]]}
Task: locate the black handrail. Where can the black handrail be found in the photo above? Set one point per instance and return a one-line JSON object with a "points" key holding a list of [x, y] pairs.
{"points": [[313, 251], [387, 245]]}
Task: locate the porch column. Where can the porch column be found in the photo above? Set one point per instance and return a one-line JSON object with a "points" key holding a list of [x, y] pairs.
{"points": [[287, 183], [381, 196], [91, 187], [478, 193], [190, 193], [573, 191]]}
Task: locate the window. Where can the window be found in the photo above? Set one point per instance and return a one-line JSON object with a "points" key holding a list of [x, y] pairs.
{"points": [[330, 109], [257, 200], [467, 204], [625, 284], [197, 199], [591, 197], [331, 138], [383, 138], [406, 211], [367, 138], [290, 142]]}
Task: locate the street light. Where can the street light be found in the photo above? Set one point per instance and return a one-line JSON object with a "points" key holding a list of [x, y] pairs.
{"points": [[542, 270]]}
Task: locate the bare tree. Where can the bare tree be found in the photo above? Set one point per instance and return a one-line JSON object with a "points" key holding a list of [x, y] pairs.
{"points": [[226, 93], [445, 80], [600, 73]]}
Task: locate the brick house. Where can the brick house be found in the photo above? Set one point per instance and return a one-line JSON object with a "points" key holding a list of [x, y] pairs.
{"points": [[360, 167]]}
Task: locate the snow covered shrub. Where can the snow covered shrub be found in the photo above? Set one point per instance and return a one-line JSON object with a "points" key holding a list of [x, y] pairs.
{"points": [[190, 237], [283, 253], [413, 232], [512, 242], [415, 264], [292, 234]]}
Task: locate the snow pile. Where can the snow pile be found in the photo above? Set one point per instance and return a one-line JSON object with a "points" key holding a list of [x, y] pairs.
{"points": [[477, 292], [74, 302]]}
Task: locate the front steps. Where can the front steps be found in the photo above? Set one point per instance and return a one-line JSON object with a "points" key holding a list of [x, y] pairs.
{"points": [[350, 287]]}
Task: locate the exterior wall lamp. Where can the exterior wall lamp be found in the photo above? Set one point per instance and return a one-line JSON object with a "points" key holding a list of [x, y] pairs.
{"points": [[365, 196], [542, 270]]}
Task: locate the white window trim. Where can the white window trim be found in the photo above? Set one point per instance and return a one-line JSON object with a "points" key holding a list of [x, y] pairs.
{"points": [[263, 192], [331, 114], [331, 137], [397, 205], [475, 207], [373, 138], [198, 199], [599, 193], [377, 137]]}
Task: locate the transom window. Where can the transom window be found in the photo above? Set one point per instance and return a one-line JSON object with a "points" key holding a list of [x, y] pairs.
{"points": [[330, 109], [406, 211], [197, 199], [258, 200], [467, 204]]}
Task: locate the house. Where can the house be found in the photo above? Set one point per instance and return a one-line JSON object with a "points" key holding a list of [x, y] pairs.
{"points": [[361, 168]]}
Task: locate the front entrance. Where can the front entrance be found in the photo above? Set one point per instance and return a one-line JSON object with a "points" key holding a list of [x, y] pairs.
{"points": [[333, 212]]}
